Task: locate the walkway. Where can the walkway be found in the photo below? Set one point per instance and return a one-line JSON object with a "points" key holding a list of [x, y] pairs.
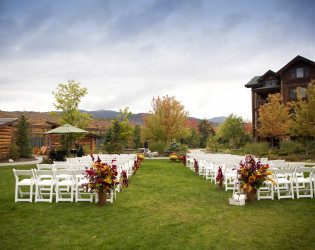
{"points": [[39, 160]]}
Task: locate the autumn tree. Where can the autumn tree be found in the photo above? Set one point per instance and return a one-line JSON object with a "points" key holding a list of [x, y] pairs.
{"points": [[167, 120], [205, 129], [231, 130], [304, 114], [274, 118]]}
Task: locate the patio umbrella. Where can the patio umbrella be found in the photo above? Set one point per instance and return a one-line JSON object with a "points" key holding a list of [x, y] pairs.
{"points": [[66, 129]]}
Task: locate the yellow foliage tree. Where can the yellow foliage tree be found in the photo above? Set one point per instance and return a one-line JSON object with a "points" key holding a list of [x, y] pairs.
{"points": [[304, 114], [167, 121], [274, 118]]}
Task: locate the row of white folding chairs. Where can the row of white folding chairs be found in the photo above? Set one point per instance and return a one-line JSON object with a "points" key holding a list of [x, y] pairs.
{"points": [[65, 184], [289, 182]]}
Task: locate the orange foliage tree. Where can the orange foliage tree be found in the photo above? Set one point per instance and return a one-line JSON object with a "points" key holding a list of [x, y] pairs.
{"points": [[167, 121], [274, 118]]}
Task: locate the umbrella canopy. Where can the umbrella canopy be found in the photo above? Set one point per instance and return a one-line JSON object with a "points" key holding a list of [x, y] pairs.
{"points": [[66, 129]]}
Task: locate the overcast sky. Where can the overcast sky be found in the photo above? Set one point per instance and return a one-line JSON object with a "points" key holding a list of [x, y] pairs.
{"points": [[125, 52]]}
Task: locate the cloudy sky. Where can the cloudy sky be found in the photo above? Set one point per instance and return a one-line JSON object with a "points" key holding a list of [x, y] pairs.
{"points": [[125, 52]]}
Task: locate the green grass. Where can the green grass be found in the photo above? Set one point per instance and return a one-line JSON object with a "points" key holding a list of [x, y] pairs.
{"points": [[166, 206]]}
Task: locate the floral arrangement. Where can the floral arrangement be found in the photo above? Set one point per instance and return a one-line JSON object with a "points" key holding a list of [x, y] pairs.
{"points": [[137, 163], [141, 157], [102, 177], [182, 158], [173, 156], [124, 181], [196, 166], [252, 174], [220, 178]]}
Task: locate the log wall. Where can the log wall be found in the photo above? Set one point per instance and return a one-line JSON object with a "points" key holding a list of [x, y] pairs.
{"points": [[6, 137]]}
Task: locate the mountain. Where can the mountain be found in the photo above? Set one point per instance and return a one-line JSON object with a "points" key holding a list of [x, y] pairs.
{"points": [[218, 119]]}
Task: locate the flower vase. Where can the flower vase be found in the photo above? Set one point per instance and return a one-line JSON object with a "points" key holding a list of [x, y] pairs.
{"points": [[102, 197], [251, 196]]}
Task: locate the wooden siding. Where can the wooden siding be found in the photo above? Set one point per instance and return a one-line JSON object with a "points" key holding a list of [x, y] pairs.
{"points": [[6, 138]]}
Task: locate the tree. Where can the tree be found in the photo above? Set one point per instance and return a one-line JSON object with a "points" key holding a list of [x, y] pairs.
{"points": [[232, 129], [205, 129], [167, 121], [23, 140], [137, 136], [304, 114], [68, 97], [274, 118], [193, 139], [126, 130]]}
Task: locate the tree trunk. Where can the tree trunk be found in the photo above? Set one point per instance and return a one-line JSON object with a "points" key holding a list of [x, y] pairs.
{"points": [[307, 145]]}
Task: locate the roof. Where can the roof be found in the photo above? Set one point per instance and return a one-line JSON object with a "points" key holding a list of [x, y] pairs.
{"points": [[7, 121], [253, 82], [269, 72], [267, 88], [296, 59]]}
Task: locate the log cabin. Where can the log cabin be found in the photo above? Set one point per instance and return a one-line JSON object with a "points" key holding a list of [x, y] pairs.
{"points": [[296, 73], [6, 135]]}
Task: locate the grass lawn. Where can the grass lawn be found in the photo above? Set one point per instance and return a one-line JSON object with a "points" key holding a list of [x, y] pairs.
{"points": [[166, 206]]}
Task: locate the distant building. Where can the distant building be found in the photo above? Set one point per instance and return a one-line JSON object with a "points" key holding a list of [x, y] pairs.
{"points": [[297, 73], [7, 126]]}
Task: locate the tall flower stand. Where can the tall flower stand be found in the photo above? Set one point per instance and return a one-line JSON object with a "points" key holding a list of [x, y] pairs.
{"points": [[102, 197]]}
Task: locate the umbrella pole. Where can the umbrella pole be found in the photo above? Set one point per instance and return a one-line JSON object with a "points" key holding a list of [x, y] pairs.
{"points": [[67, 144]]}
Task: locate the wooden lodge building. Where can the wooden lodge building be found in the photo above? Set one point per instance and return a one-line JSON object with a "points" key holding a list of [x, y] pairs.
{"points": [[7, 126], [7, 136], [297, 73]]}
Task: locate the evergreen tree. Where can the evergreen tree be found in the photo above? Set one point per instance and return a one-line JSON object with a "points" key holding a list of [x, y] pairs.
{"points": [[137, 137], [23, 140]]}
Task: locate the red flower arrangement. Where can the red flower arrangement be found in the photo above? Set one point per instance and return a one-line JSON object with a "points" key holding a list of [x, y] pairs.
{"points": [[124, 181], [196, 166], [220, 178], [102, 177], [182, 158]]}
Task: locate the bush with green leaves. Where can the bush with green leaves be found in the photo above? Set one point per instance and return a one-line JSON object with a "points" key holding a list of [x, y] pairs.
{"points": [[174, 148], [14, 152], [114, 148], [291, 147], [257, 149], [157, 147]]}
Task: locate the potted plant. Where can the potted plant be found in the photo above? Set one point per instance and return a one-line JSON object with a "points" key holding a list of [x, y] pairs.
{"points": [[252, 176], [173, 157], [102, 179]]}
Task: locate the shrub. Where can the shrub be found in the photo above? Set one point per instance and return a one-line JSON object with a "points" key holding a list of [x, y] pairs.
{"points": [[46, 161], [14, 152], [157, 147], [114, 148], [87, 150], [290, 147], [257, 149], [174, 148]]}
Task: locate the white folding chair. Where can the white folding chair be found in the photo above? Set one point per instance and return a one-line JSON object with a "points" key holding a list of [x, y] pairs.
{"points": [[81, 194], [64, 184], [44, 185], [23, 178], [230, 175], [284, 180], [307, 186], [266, 191]]}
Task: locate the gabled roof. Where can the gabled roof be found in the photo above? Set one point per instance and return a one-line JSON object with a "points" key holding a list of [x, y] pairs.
{"points": [[294, 60], [253, 82], [7, 121], [267, 73]]}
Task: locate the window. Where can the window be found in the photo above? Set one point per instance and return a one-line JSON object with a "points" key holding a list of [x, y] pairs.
{"points": [[271, 83], [293, 93], [300, 72]]}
